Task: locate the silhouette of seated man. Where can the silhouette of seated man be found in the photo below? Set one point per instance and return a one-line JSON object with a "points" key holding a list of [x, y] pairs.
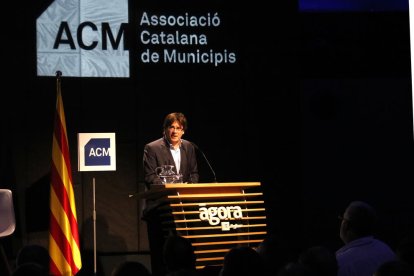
{"points": [[276, 252], [179, 256], [395, 268], [130, 268], [319, 260], [32, 254], [30, 269], [362, 254], [242, 261]]}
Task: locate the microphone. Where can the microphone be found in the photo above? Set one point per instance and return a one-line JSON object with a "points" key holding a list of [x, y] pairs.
{"points": [[205, 158]]}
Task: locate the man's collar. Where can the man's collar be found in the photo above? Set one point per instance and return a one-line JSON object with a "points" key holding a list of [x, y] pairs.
{"points": [[167, 142]]}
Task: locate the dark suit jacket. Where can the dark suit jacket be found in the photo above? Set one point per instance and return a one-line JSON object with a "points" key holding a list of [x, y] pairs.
{"points": [[158, 153]]}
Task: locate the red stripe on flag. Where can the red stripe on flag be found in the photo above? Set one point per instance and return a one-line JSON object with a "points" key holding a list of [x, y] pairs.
{"points": [[64, 200], [61, 138], [53, 270], [62, 242]]}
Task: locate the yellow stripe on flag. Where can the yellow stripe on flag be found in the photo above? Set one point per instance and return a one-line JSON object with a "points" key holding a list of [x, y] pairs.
{"points": [[63, 173], [64, 224]]}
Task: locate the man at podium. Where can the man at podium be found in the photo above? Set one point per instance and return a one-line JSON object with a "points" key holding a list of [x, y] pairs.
{"points": [[171, 149]]}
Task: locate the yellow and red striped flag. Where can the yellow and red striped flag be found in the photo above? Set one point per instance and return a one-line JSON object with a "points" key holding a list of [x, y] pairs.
{"points": [[64, 248]]}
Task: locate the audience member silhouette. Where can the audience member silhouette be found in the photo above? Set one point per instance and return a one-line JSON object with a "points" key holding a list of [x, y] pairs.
{"points": [[276, 252], [30, 269], [294, 269], [130, 268], [179, 256], [242, 261], [362, 254], [32, 254], [210, 270], [394, 268], [88, 264], [320, 261], [405, 250]]}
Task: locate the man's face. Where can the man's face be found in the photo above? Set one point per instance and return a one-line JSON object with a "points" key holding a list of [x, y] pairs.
{"points": [[175, 132], [344, 226]]}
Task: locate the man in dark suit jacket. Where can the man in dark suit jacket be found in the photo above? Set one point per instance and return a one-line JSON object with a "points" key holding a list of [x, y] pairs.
{"points": [[158, 153], [171, 149]]}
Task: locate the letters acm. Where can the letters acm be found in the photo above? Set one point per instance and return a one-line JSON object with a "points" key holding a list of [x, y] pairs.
{"points": [[64, 36], [98, 152]]}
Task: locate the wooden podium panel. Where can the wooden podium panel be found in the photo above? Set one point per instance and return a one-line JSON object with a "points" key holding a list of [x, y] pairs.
{"points": [[214, 216]]}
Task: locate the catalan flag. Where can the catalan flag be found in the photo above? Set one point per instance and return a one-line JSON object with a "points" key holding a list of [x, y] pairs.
{"points": [[65, 258]]}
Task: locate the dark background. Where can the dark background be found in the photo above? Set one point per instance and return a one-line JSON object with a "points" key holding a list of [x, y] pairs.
{"points": [[318, 108]]}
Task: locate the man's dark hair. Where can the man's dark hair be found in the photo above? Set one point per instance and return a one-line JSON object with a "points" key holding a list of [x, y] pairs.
{"points": [[175, 116], [178, 253]]}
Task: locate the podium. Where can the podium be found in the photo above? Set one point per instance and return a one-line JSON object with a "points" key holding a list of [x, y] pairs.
{"points": [[215, 217]]}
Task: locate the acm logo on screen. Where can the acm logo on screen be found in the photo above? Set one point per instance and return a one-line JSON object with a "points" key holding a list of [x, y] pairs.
{"points": [[83, 38]]}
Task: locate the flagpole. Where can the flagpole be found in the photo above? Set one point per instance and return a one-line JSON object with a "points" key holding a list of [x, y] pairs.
{"points": [[411, 18], [58, 80], [94, 226]]}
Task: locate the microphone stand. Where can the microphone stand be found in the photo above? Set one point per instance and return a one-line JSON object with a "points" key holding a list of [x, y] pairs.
{"points": [[208, 163]]}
